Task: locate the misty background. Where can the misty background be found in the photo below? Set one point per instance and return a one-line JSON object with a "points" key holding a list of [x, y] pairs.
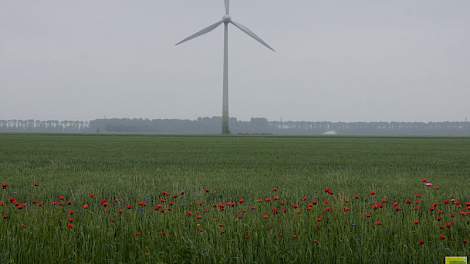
{"points": [[363, 60]]}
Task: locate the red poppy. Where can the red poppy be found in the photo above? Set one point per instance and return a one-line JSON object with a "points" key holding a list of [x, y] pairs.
{"points": [[61, 197], [275, 211], [104, 203], [189, 213], [417, 222], [13, 200], [305, 198], [265, 216], [70, 226], [20, 206], [346, 210], [424, 180], [372, 193], [309, 207], [463, 213], [267, 199], [165, 194], [71, 220], [142, 204], [198, 217], [295, 206], [92, 196], [86, 206], [329, 191], [418, 195], [442, 237], [242, 201], [421, 242], [2, 203], [71, 212]]}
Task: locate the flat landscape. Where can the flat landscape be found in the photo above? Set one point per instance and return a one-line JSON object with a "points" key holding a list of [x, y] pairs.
{"points": [[149, 199]]}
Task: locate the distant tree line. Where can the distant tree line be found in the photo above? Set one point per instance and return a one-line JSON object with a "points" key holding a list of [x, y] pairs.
{"points": [[212, 125]]}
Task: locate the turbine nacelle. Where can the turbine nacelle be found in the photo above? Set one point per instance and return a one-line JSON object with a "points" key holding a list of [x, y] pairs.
{"points": [[226, 19]]}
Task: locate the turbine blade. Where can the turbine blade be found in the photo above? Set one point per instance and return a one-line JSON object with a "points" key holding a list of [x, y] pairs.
{"points": [[252, 34], [201, 32], [227, 7]]}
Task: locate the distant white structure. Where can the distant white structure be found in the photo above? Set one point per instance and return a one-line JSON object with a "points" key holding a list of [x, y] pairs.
{"points": [[330, 133]]}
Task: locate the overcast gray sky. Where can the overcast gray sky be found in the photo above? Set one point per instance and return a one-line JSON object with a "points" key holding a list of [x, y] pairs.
{"points": [[369, 60]]}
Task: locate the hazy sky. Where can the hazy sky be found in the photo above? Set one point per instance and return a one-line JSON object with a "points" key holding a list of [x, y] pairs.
{"points": [[370, 60]]}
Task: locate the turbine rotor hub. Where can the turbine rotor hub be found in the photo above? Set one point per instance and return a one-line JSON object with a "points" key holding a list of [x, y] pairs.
{"points": [[226, 19]]}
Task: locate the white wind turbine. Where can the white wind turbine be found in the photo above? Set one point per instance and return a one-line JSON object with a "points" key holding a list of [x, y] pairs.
{"points": [[226, 20]]}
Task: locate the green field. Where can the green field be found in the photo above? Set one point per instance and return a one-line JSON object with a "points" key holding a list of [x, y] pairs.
{"points": [[220, 217]]}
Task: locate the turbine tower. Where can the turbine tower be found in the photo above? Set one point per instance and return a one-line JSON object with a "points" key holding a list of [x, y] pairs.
{"points": [[226, 20]]}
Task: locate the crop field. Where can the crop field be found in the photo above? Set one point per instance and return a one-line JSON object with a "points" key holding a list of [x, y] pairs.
{"points": [[149, 199]]}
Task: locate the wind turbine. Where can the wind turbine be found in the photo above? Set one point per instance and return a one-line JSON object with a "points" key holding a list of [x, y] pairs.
{"points": [[226, 20]]}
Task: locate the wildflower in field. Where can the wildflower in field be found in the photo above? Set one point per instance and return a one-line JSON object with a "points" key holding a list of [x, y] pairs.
{"points": [[61, 197], [129, 207], [346, 210], [310, 207], [305, 198], [92, 196], [198, 217], [189, 213], [329, 191], [104, 203], [86, 206], [372, 193], [421, 243], [418, 195], [378, 223], [13, 200], [428, 184], [424, 180], [20, 206], [165, 194], [142, 204], [326, 202], [275, 210], [463, 213], [71, 220], [241, 201], [416, 222], [70, 226], [2, 203], [267, 199], [265, 216], [158, 207], [71, 212], [4, 186], [442, 237]]}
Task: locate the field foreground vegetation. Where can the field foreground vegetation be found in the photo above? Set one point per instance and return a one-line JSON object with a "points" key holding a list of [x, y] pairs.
{"points": [[124, 199]]}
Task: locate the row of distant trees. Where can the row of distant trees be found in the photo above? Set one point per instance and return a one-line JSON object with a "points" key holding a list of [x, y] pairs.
{"points": [[212, 125]]}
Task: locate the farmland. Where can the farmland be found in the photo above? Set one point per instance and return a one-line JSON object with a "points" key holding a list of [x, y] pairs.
{"points": [[121, 199]]}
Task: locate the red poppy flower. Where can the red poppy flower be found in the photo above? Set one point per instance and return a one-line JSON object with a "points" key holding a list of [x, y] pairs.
{"points": [[70, 226], [372, 193], [2, 203], [242, 201], [295, 206], [346, 210], [162, 200], [305, 198], [198, 217], [61, 197], [20, 206], [417, 222], [71, 212], [86, 206], [92, 196], [424, 180], [309, 207], [71, 220], [189, 213], [418, 195], [268, 199], [421, 242], [265, 216], [158, 207], [104, 203], [329, 191], [142, 204], [13, 200], [378, 222], [463, 213], [442, 237], [165, 194], [275, 211]]}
